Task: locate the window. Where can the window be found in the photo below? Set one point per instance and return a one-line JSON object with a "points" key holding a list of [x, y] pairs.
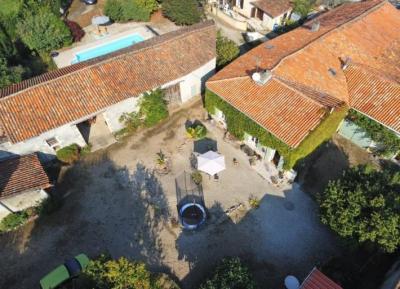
{"points": [[53, 143]]}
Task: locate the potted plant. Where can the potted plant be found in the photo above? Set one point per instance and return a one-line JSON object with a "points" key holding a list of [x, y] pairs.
{"points": [[197, 177]]}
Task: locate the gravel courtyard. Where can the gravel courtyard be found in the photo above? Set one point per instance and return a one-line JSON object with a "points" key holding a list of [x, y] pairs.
{"points": [[115, 203]]}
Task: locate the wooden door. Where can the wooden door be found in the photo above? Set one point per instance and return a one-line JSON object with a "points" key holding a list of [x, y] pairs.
{"points": [[260, 14], [253, 12], [173, 95]]}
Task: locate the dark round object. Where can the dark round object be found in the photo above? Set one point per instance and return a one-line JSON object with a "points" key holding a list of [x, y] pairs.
{"points": [[192, 215], [54, 54]]}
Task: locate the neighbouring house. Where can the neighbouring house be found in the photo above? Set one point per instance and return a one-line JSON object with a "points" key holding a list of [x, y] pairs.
{"points": [[257, 14], [288, 95], [55, 109], [23, 183], [317, 280]]}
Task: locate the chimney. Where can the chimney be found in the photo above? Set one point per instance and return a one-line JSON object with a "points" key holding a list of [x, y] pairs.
{"points": [[315, 26], [345, 62], [261, 78]]}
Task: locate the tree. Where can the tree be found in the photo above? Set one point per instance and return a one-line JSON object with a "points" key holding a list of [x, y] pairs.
{"points": [[364, 205], [104, 273], [7, 47], [182, 12], [230, 274], [303, 7], [125, 10], [227, 50], [9, 75], [153, 107], [41, 30]]}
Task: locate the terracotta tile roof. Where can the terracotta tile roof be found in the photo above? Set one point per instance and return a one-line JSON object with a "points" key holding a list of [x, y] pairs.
{"points": [[273, 8], [21, 173], [374, 95], [274, 106], [311, 62], [69, 94], [317, 280]]}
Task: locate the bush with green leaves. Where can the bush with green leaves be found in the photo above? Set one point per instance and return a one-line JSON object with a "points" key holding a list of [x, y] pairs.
{"points": [[196, 131], [303, 7], [197, 177], [182, 12], [125, 10], [131, 121], [69, 154], [380, 134], [14, 220], [153, 107], [364, 205], [105, 273], [41, 30], [9, 75], [227, 50], [230, 274]]}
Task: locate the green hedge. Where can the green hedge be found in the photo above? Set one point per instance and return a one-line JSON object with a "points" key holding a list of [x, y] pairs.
{"points": [[14, 220], [238, 123], [378, 133]]}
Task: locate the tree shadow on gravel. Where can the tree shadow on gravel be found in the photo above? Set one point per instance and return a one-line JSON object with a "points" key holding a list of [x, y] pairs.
{"points": [[106, 209]]}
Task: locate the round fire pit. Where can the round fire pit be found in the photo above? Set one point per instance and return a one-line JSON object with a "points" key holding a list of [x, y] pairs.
{"points": [[192, 215]]}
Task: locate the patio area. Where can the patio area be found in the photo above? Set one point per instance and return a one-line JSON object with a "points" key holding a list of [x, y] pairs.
{"points": [[116, 202]]}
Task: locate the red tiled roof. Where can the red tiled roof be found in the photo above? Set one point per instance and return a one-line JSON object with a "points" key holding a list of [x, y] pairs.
{"points": [[374, 95], [364, 32], [273, 8], [317, 280], [69, 94], [21, 173], [274, 105]]}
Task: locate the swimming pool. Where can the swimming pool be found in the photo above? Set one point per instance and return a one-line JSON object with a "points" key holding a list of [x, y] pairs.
{"points": [[107, 48]]}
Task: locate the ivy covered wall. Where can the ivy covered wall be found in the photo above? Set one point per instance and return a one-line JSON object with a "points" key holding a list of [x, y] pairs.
{"points": [[238, 123]]}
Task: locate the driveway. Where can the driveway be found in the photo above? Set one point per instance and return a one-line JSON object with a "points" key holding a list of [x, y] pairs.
{"points": [[115, 203]]}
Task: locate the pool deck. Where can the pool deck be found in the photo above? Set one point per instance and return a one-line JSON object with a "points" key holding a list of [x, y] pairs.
{"points": [[66, 56]]}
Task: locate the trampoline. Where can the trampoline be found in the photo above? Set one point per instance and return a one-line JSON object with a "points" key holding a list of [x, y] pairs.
{"points": [[191, 208], [192, 215]]}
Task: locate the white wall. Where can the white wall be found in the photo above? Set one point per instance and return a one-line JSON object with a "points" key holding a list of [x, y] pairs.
{"points": [[21, 202], [190, 85], [270, 22], [113, 113], [193, 83], [66, 135]]}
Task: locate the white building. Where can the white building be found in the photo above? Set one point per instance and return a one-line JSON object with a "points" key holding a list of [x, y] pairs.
{"points": [[259, 14], [54, 110], [22, 184]]}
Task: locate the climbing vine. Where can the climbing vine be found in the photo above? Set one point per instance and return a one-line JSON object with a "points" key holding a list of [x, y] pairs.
{"points": [[238, 123]]}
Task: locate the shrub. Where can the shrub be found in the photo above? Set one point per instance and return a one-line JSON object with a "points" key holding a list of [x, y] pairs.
{"points": [[69, 154], [197, 131], [153, 107], [197, 177], [42, 30], [9, 75], [303, 7], [125, 10], [182, 12], [378, 133], [227, 50], [230, 274], [14, 220], [104, 273], [131, 121], [364, 205], [254, 202], [76, 31]]}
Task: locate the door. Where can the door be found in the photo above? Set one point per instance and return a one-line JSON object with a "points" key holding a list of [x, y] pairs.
{"points": [[260, 14], [276, 158], [241, 4], [173, 94]]}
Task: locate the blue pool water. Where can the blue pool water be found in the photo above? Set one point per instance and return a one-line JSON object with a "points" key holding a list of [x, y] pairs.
{"points": [[107, 48]]}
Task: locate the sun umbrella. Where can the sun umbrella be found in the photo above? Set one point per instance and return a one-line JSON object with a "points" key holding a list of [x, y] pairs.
{"points": [[211, 163], [100, 20]]}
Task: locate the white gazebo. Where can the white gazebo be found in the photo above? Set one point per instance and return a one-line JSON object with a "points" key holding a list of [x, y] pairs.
{"points": [[211, 163]]}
